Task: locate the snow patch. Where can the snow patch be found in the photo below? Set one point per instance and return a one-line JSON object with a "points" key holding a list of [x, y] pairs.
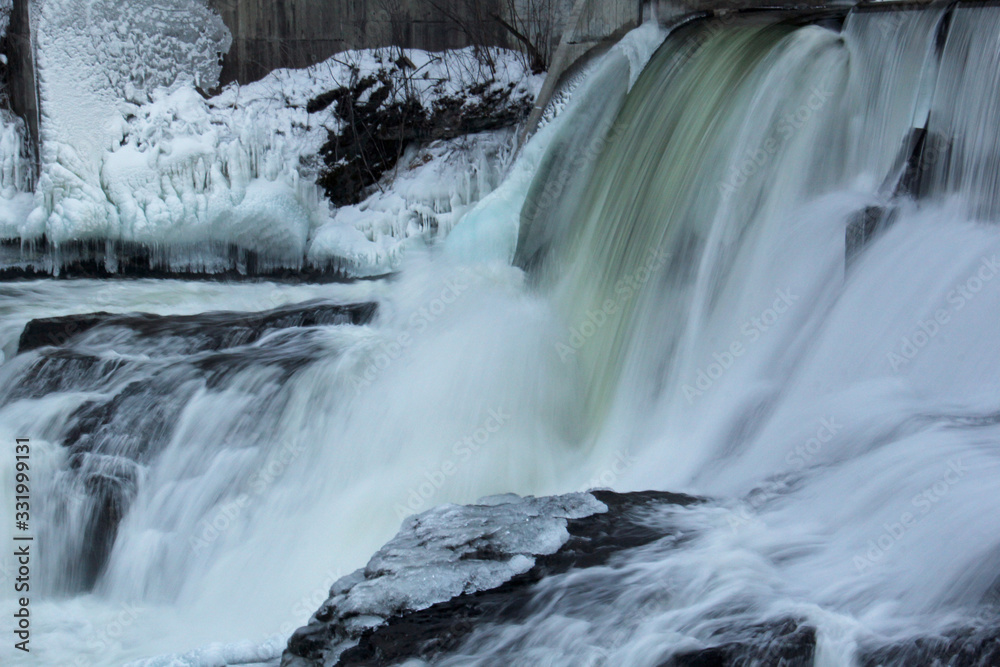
{"points": [[241, 654]]}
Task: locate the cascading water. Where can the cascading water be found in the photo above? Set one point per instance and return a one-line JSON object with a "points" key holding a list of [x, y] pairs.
{"points": [[849, 418], [685, 307]]}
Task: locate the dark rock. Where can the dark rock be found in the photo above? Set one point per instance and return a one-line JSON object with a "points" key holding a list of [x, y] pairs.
{"points": [[457, 627], [141, 391], [55, 331], [207, 331], [861, 229], [19, 75], [922, 155], [59, 371], [970, 647], [112, 493], [785, 644]]}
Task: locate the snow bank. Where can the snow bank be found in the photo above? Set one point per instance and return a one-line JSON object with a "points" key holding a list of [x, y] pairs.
{"points": [[134, 152]]}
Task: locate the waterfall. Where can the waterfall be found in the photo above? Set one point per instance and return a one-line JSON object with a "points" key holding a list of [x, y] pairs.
{"points": [[654, 195], [970, 62], [847, 419], [661, 280]]}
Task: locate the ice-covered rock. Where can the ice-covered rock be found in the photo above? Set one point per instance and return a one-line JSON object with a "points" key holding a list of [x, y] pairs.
{"points": [[439, 555], [429, 192], [16, 198]]}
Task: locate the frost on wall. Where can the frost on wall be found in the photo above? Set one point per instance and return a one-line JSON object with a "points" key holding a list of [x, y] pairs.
{"points": [[144, 46]]}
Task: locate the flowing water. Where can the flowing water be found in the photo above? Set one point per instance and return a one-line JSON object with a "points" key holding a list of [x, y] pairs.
{"points": [[679, 301]]}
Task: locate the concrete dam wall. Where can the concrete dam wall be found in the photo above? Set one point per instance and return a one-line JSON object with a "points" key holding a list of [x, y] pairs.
{"points": [[269, 34]]}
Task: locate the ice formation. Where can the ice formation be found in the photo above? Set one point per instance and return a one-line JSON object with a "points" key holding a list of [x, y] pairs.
{"points": [[94, 60], [135, 152]]}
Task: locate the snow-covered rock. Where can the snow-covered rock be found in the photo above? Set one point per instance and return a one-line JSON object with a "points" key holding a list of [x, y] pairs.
{"points": [[427, 194], [134, 155]]}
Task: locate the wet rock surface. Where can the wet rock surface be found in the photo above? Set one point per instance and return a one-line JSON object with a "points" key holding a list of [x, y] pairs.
{"points": [[788, 643], [971, 647], [375, 618], [139, 373], [208, 331]]}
